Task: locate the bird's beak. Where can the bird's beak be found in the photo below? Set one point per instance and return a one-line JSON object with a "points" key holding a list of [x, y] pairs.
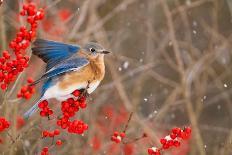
{"points": [[105, 52]]}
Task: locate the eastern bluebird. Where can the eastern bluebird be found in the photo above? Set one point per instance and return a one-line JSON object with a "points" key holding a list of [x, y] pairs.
{"points": [[69, 67]]}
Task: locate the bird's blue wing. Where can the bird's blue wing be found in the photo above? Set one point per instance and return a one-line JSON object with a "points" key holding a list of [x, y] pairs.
{"points": [[53, 52], [65, 66], [47, 84]]}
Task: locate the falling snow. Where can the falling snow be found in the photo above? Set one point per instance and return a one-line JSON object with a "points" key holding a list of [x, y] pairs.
{"points": [[125, 65], [195, 24], [194, 32]]}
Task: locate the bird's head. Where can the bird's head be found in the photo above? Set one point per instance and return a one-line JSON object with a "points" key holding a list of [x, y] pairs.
{"points": [[94, 50]]}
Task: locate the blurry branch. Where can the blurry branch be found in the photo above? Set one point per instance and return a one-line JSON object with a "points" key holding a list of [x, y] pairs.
{"points": [[215, 99], [81, 19], [171, 30], [198, 67], [162, 79], [230, 6], [220, 85], [2, 28], [193, 119], [140, 69], [168, 102], [101, 21], [53, 4], [194, 4], [184, 19]]}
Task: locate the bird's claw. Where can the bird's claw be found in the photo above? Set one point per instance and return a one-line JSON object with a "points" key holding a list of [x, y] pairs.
{"points": [[85, 91]]}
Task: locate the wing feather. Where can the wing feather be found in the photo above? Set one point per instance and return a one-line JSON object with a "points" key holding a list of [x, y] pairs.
{"points": [[71, 64], [53, 52]]}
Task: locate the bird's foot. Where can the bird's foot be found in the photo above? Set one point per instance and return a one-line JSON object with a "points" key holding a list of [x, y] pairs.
{"points": [[85, 93]]}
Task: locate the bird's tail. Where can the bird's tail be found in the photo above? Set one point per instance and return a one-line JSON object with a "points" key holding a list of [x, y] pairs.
{"points": [[32, 110]]}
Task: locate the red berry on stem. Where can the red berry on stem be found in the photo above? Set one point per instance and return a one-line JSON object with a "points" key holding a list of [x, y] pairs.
{"points": [[56, 132], [59, 142]]}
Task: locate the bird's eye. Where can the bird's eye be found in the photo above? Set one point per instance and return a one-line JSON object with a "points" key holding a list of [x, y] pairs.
{"points": [[92, 50]]}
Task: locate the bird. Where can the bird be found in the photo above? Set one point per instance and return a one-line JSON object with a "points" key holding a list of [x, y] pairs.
{"points": [[68, 68]]}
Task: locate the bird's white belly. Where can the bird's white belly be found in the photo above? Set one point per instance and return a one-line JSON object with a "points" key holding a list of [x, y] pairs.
{"points": [[62, 94]]}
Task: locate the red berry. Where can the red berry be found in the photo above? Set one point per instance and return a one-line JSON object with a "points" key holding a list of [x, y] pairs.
{"points": [[27, 95], [176, 143], [56, 132], [45, 133], [43, 114], [22, 13], [51, 134], [187, 130], [176, 130], [122, 134], [163, 141], [45, 149], [3, 86], [59, 142], [173, 136], [76, 93], [25, 7], [30, 80]]}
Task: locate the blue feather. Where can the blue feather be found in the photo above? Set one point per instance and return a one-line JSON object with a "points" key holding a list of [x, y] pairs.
{"points": [[53, 52], [33, 109], [71, 64], [47, 84]]}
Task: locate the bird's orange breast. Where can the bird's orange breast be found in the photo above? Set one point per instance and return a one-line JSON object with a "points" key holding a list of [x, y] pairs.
{"points": [[92, 72]]}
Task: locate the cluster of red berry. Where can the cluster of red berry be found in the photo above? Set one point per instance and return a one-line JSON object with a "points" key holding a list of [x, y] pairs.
{"points": [[27, 91], [4, 124], [173, 139], [71, 106], [45, 151], [50, 134], [69, 109], [77, 126], [118, 137], [10, 68], [45, 110]]}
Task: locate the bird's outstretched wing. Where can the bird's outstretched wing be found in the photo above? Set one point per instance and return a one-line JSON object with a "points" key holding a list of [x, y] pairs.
{"points": [[52, 52], [65, 66]]}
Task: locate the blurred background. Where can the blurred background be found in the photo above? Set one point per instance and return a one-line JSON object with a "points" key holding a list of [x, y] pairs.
{"points": [[171, 66]]}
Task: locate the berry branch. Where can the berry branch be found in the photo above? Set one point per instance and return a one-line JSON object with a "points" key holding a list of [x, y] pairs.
{"points": [[12, 65], [173, 139]]}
